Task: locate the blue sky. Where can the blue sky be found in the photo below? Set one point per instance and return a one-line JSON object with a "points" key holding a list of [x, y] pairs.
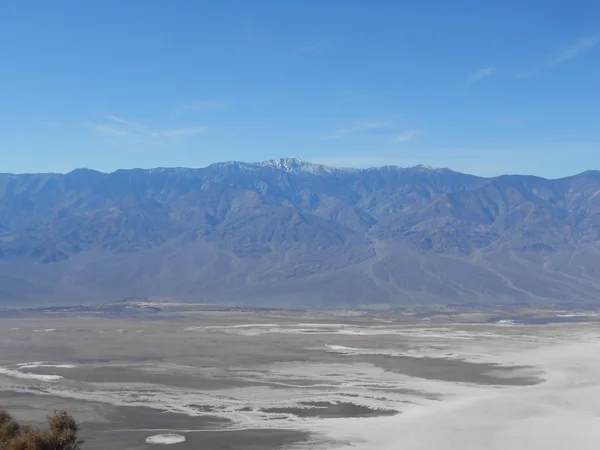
{"points": [[483, 87]]}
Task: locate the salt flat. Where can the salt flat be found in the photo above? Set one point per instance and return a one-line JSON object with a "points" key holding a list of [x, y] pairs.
{"points": [[273, 380]]}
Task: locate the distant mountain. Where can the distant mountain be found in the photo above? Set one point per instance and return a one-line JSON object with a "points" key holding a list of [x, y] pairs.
{"points": [[289, 232]]}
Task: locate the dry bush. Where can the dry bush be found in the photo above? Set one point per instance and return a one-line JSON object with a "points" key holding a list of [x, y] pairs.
{"points": [[60, 435]]}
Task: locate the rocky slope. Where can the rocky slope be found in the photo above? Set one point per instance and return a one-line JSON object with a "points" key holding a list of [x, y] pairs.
{"points": [[288, 232]]}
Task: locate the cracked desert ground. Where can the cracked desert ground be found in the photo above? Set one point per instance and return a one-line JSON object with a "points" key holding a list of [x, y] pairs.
{"points": [[267, 381]]}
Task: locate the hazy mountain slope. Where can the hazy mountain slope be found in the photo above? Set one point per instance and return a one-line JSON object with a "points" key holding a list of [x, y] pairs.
{"points": [[287, 232]]}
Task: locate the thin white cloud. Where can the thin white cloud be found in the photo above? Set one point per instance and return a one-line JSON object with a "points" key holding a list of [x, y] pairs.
{"points": [[305, 49], [359, 127], [202, 106], [127, 123], [103, 128], [406, 136], [564, 55], [117, 127], [574, 50], [479, 74]]}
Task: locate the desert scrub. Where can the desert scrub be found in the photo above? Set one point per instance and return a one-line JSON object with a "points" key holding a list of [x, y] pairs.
{"points": [[61, 434]]}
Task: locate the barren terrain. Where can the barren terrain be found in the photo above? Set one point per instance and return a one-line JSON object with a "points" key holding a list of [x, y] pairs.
{"points": [[212, 380]]}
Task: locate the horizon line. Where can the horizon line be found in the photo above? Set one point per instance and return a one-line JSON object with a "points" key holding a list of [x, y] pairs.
{"points": [[297, 160]]}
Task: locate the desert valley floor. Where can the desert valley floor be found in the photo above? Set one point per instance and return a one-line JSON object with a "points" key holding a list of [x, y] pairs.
{"points": [[225, 380]]}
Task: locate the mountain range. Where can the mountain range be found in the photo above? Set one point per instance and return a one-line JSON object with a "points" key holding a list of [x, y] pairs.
{"points": [[292, 233]]}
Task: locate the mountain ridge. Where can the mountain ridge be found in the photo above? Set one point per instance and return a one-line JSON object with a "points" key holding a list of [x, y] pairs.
{"points": [[290, 162], [290, 232]]}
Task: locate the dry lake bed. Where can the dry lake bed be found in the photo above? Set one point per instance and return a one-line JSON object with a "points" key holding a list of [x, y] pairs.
{"points": [[230, 380]]}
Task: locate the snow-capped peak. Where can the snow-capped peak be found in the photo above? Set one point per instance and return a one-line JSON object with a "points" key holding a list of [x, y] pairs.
{"points": [[295, 165]]}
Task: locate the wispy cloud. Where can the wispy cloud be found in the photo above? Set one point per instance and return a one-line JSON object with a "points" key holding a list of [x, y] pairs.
{"points": [[564, 55], [202, 106], [406, 136], [574, 50], [305, 49], [479, 74], [103, 128], [129, 126], [359, 127], [117, 127]]}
